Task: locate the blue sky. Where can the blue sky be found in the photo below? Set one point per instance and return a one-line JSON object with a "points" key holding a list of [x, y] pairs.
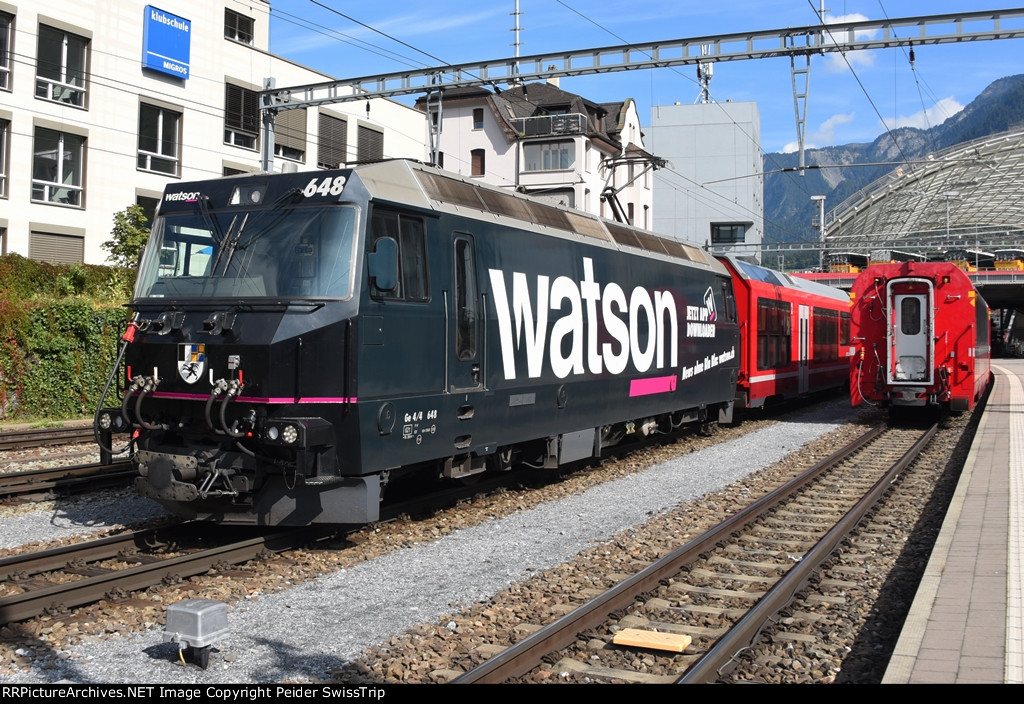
{"points": [[425, 34]]}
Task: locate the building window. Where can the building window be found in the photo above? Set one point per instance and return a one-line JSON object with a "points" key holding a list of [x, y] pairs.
{"points": [[241, 116], [478, 118], [149, 206], [5, 139], [238, 28], [159, 139], [58, 164], [6, 25], [478, 165], [332, 142], [61, 66], [549, 156], [56, 248], [290, 134], [727, 233], [371, 145]]}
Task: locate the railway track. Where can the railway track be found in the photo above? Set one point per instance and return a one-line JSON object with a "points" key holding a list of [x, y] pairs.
{"points": [[61, 578], [45, 437], [719, 590], [64, 480]]}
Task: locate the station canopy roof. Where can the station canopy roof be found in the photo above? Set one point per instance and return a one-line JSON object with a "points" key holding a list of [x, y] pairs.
{"points": [[968, 196]]}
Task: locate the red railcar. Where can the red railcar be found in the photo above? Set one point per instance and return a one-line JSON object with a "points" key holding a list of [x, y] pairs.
{"points": [[923, 337], [794, 334]]}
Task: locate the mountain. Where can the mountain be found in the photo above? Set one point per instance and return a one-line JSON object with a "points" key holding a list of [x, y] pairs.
{"points": [[788, 209]]}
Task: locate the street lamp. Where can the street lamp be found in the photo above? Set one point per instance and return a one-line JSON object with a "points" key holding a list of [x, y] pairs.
{"points": [[821, 226]]}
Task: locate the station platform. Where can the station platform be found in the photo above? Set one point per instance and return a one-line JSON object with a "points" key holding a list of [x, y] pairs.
{"points": [[966, 625]]}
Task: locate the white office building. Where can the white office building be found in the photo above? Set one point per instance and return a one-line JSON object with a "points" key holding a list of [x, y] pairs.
{"points": [[713, 191], [103, 103]]}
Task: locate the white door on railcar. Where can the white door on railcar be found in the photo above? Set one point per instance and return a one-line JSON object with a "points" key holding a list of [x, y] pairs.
{"points": [[804, 344], [911, 339]]}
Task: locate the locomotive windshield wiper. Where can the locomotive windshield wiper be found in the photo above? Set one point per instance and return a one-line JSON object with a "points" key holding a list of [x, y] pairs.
{"points": [[271, 226], [232, 241], [202, 204], [229, 244]]}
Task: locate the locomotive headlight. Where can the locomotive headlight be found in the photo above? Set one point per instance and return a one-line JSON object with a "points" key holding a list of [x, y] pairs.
{"points": [[273, 433], [289, 434], [105, 421]]}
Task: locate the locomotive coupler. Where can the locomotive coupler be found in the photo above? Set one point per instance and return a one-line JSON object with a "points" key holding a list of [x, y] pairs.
{"points": [[205, 489]]}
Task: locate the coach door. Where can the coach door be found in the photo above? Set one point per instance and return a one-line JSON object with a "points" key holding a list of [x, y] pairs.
{"points": [[910, 338], [804, 348], [463, 315]]}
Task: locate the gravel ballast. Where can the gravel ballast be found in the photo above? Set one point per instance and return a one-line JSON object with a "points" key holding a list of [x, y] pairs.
{"points": [[306, 632]]}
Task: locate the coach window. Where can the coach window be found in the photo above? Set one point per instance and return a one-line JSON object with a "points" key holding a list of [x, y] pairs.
{"points": [[407, 232], [159, 139], [826, 335], [773, 334], [61, 66]]}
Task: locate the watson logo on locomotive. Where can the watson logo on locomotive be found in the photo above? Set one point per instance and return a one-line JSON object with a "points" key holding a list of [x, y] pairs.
{"points": [[574, 346]]}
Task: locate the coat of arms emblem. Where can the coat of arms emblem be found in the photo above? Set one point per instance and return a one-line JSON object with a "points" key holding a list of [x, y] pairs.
{"points": [[191, 362]]}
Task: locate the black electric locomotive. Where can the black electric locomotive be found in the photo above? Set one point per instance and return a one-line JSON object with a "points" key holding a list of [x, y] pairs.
{"points": [[303, 340]]}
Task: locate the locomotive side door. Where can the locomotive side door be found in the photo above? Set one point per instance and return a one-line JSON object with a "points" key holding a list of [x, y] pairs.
{"points": [[910, 343], [803, 348], [463, 316]]}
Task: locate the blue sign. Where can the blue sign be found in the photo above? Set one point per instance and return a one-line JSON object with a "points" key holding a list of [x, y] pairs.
{"points": [[166, 40]]}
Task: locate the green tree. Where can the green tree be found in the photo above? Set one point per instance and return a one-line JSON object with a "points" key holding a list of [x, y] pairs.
{"points": [[129, 236]]}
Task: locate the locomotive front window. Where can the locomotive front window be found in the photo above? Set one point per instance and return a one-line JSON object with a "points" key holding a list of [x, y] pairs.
{"points": [[259, 253]]}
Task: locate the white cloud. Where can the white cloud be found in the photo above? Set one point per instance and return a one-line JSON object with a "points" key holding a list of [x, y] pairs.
{"points": [[825, 135], [935, 115], [836, 61]]}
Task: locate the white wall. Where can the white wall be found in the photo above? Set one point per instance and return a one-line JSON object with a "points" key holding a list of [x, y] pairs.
{"points": [[117, 84], [715, 171]]}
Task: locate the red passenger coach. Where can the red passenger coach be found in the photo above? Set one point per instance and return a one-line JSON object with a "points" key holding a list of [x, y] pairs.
{"points": [[923, 337], [794, 334]]}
